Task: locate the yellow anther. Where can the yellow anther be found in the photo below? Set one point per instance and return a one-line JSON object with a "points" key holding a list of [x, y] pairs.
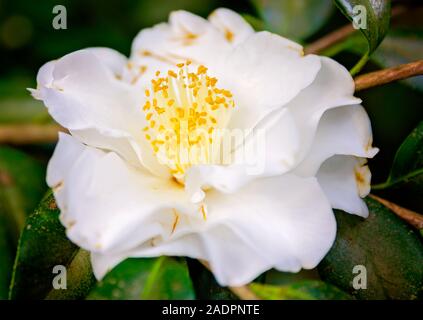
{"points": [[172, 74], [182, 103], [209, 100], [201, 70], [227, 93], [147, 106], [181, 112]]}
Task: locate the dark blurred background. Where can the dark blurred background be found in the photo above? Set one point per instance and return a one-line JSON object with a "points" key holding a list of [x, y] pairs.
{"points": [[28, 40]]}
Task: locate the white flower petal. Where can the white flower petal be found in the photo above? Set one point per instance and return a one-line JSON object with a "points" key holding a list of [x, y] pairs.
{"points": [[107, 205], [346, 180], [83, 95], [333, 87], [155, 40], [103, 263], [292, 212], [65, 154], [197, 40], [149, 54], [264, 73], [269, 223], [260, 155], [185, 37], [286, 135], [112, 59], [234, 28], [344, 131]]}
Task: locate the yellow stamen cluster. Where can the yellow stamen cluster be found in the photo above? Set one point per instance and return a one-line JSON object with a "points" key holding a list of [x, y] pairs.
{"points": [[184, 107]]}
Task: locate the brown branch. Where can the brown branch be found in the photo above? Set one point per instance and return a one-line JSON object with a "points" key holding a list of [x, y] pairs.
{"points": [[29, 133], [341, 34], [413, 218], [242, 292], [329, 39], [378, 78]]}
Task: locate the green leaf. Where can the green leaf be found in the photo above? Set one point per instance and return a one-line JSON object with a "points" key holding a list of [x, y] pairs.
{"points": [[405, 181], [409, 158], [276, 277], [22, 184], [146, 279], [42, 246], [6, 258], [295, 20], [390, 251], [376, 16], [303, 290]]}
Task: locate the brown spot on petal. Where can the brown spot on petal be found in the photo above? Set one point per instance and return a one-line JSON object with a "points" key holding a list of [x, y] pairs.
{"points": [[58, 186], [147, 53], [175, 222], [229, 35], [71, 224], [369, 145], [143, 69], [362, 177]]}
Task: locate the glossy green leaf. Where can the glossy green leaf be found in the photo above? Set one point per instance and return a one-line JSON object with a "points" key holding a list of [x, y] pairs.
{"points": [[390, 251], [408, 161], [303, 290], [42, 246], [276, 277], [405, 181], [146, 279], [21, 186], [377, 13], [372, 18], [295, 20]]}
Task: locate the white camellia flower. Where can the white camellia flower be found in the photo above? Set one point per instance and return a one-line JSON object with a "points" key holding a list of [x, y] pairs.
{"points": [[126, 188]]}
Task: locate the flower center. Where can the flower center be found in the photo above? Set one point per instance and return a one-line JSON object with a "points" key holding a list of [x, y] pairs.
{"points": [[184, 110]]}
